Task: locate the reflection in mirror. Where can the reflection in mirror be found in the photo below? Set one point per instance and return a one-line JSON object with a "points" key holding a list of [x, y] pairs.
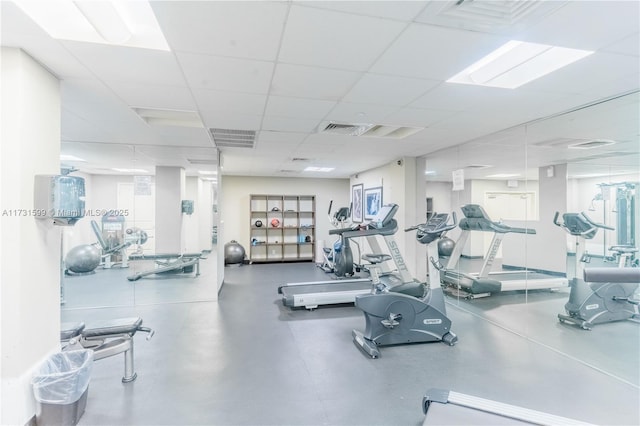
{"points": [[121, 252], [584, 160]]}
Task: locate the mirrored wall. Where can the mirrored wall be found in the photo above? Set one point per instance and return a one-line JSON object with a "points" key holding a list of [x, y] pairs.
{"points": [[149, 234], [516, 263]]}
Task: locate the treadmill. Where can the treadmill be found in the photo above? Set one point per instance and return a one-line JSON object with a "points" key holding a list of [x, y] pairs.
{"points": [[315, 293], [446, 407], [486, 282]]}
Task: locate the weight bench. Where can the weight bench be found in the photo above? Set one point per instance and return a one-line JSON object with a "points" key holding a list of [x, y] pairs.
{"points": [[106, 338], [179, 263]]}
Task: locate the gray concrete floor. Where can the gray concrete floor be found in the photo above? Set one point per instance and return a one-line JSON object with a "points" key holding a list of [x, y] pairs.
{"points": [[248, 360]]}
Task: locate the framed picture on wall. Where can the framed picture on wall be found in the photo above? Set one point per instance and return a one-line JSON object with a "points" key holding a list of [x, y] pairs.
{"points": [[356, 203], [372, 201]]}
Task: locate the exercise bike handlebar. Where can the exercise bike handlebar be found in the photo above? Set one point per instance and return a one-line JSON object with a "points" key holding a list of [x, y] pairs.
{"points": [[593, 226]]}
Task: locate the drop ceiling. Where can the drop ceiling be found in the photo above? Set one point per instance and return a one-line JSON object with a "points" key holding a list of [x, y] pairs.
{"points": [[283, 69]]}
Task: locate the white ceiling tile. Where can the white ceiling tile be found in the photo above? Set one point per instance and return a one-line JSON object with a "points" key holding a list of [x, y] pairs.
{"points": [[232, 74], [429, 52], [223, 28], [627, 46], [126, 64], [586, 75], [335, 40], [312, 82], [154, 96], [287, 124], [388, 90], [589, 25], [298, 108], [349, 112], [212, 102], [182, 136], [232, 121], [272, 136], [419, 117], [399, 10], [455, 97]]}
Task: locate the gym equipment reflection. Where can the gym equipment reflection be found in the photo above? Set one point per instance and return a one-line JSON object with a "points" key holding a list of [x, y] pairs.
{"points": [[598, 295]]}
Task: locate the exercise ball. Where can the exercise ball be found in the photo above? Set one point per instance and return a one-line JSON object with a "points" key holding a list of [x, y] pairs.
{"points": [[82, 259], [233, 253], [275, 222], [445, 247], [258, 223]]}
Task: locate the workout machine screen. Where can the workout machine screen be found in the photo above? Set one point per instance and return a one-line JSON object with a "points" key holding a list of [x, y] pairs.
{"points": [[385, 214]]}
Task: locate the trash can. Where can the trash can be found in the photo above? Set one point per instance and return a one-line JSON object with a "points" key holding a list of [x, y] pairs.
{"points": [[60, 387]]}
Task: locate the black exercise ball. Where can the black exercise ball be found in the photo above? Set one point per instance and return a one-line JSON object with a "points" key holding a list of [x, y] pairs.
{"points": [[258, 223], [233, 253], [445, 247]]}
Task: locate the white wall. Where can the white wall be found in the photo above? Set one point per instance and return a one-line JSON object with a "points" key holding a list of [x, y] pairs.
{"points": [[546, 250], [235, 191], [29, 248], [170, 190], [399, 186]]}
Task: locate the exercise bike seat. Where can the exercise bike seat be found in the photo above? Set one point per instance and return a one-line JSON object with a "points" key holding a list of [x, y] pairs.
{"points": [[415, 289]]}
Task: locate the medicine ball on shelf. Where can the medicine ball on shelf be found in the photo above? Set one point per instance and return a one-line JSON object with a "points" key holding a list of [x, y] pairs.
{"points": [[258, 223], [275, 222]]}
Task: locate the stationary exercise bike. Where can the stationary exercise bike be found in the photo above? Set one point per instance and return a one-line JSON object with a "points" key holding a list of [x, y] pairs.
{"points": [[398, 315], [598, 295]]}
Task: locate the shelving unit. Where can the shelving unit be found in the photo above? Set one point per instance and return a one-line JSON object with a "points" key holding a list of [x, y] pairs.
{"points": [[288, 228]]}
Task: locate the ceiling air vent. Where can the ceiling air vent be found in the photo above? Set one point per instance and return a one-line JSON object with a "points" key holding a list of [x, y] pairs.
{"points": [[370, 130], [232, 138], [591, 144], [346, 129], [488, 16]]}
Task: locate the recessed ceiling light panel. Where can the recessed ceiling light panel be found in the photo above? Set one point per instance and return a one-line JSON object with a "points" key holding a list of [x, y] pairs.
{"points": [[517, 63]]}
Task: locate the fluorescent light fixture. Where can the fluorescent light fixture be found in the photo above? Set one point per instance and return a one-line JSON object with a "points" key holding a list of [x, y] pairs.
{"points": [[503, 175], [207, 172], [130, 170], [116, 22], [318, 169], [66, 157], [430, 172], [169, 117], [517, 63]]}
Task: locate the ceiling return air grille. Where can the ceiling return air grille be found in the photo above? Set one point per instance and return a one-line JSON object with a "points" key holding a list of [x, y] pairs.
{"points": [[369, 130], [496, 16], [574, 143], [232, 138]]}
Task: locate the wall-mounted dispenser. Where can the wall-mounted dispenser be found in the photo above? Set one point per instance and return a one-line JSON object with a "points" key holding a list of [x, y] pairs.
{"points": [[60, 198], [187, 206]]}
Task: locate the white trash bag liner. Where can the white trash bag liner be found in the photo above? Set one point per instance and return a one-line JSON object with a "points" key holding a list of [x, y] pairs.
{"points": [[63, 377]]}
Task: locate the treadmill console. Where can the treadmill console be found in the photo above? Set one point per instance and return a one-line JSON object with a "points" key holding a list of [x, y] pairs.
{"points": [[385, 215]]}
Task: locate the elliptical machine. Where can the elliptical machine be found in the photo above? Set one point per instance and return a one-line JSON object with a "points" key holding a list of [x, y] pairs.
{"points": [[609, 297], [396, 315], [339, 258]]}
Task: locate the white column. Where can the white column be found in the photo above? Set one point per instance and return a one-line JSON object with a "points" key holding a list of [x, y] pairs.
{"points": [[29, 248], [170, 190]]}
